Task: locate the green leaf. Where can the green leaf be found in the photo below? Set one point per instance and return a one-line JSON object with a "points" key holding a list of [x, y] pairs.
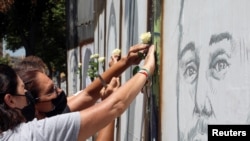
{"points": [[136, 69]]}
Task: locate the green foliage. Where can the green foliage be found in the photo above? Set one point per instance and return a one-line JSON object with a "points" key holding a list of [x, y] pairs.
{"points": [[136, 69], [94, 63], [38, 26], [93, 69], [5, 60]]}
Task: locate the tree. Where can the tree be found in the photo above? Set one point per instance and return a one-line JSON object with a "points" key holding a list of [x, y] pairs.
{"points": [[5, 60], [40, 27], [5, 5]]}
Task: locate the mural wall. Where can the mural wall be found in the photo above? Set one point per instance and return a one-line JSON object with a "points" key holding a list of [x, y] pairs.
{"points": [[206, 70], [73, 72], [134, 22], [117, 24], [86, 52], [203, 64]]}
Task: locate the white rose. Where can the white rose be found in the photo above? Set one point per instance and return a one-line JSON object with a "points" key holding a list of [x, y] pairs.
{"points": [[116, 52], [145, 37], [94, 56], [101, 59]]}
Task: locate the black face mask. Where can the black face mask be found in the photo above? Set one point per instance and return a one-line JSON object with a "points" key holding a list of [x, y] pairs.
{"points": [[60, 103], [29, 110]]}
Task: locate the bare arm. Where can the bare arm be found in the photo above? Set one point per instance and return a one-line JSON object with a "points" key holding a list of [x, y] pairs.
{"points": [[107, 133], [91, 94], [101, 114]]}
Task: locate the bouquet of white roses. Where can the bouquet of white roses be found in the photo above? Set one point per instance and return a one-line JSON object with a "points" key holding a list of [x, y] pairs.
{"points": [[94, 62]]}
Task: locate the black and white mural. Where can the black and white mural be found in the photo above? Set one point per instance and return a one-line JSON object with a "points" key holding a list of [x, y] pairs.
{"points": [[207, 67]]}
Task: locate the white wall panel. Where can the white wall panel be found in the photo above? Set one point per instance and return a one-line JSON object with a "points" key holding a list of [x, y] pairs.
{"points": [[73, 75], [87, 51], [134, 22], [206, 66]]}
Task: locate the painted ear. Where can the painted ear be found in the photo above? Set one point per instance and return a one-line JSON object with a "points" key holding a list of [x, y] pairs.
{"points": [[8, 99]]}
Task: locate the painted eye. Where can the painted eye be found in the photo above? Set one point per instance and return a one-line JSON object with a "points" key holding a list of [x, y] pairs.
{"points": [[191, 73], [219, 69], [220, 65]]}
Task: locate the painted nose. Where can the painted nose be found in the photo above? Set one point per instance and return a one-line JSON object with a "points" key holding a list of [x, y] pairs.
{"points": [[203, 109], [203, 95]]}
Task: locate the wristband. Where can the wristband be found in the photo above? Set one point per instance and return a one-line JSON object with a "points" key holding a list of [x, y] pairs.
{"points": [[145, 70], [102, 80]]}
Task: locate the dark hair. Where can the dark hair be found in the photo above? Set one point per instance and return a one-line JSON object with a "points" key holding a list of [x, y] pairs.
{"points": [[9, 118], [8, 80]]}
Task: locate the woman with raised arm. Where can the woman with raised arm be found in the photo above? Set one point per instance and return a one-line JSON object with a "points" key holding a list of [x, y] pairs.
{"points": [[51, 100], [15, 101]]}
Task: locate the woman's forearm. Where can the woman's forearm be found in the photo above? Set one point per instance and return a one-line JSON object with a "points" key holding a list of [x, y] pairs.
{"points": [[113, 71], [101, 114]]}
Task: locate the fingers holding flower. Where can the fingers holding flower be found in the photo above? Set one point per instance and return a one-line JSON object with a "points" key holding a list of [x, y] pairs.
{"points": [[140, 50], [116, 52], [133, 56], [146, 38], [116, 56]]}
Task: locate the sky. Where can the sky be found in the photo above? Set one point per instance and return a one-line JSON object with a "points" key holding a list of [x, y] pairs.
{"points": [[18, 53]]}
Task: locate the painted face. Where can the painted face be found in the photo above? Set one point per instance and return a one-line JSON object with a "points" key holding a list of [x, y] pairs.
{"points": [[213, 69]]}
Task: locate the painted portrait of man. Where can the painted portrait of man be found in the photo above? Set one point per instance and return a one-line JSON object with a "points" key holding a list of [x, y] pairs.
{"points": [[213, 66]]}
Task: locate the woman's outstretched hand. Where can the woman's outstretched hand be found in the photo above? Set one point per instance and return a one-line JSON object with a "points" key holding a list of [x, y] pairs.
{"points": [[133, 55], [149, 62]]}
